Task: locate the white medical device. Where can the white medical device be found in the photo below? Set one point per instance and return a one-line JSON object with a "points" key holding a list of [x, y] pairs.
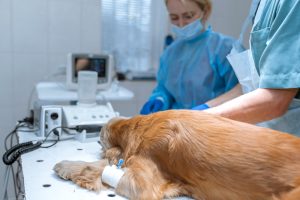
{"points": [[100, 63], [49, 118], [81, 122], [87, 115], [58, 120]]}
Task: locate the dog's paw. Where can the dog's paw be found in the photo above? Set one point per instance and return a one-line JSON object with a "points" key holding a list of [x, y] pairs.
{"points": [[90, 178], [84, 174], [69, 169], [113, 155], [90, 183]]}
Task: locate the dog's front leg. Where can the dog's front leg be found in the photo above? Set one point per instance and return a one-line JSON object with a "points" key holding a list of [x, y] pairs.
{"points": [[293, 195], [84, 174], [113, 155], [141, 180]]}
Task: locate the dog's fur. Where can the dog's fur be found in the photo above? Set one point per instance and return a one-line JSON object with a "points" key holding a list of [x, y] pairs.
{"points": [[196, 154]]}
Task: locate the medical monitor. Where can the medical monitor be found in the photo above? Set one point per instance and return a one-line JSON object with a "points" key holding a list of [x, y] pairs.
{"points": [[100, 63]]}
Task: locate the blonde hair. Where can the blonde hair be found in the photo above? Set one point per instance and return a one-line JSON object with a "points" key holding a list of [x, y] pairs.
{"points": [[204, 5]]}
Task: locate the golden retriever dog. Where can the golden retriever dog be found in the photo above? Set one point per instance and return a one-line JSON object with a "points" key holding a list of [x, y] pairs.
{"points": [[193, 153]]}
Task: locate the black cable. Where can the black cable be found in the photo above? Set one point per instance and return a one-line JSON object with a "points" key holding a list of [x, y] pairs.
{"points": [[19, 187], [88, 128], [11, 133], [14, 180], [12, 167], [55, 132], [48, 134], [13, 153], [11, 136]]}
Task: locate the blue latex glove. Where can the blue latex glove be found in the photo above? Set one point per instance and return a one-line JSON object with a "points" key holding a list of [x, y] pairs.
{"points": [[201, 107], [152, 106]]}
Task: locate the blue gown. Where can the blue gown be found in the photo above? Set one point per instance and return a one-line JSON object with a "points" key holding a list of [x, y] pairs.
{"points": [[195, 70]]}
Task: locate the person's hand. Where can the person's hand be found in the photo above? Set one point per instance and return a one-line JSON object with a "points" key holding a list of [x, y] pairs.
{"points": [[152, 106], [201, 107]]}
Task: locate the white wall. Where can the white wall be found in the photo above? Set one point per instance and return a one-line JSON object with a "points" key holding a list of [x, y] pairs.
{"points": [[228, 16], [36, 35]]}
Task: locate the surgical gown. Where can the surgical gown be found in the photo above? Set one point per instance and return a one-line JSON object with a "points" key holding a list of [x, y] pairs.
{"points": [[195, 70]]}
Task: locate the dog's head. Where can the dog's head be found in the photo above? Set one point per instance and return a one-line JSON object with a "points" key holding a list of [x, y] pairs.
{"points": [[107, 131]]}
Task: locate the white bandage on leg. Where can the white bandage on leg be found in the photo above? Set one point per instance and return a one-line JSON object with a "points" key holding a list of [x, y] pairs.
{"points": [[111, 175]]}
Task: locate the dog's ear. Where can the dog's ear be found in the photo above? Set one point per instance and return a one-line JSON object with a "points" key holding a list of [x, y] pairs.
{"points": [[108, 132], [116, 120], [116, 129], [125, 132], [118, 124]]}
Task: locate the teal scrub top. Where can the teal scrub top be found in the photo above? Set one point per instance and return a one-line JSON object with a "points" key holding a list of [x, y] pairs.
{"points": [[275, 44]]}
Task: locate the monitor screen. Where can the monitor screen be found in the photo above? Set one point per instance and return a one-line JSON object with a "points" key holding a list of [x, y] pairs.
{"points": [[91, 64], [100, 63]]}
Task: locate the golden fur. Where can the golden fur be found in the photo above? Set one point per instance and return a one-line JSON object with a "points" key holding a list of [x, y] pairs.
{"points": [[196, 154]]}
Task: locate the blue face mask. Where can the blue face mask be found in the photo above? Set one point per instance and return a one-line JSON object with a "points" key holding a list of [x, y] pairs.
{"points": [[188, 30]]}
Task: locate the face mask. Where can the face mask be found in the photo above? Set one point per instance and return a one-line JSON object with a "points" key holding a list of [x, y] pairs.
{"points": [[188, 30]]}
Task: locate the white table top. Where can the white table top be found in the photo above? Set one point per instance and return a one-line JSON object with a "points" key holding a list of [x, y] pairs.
{"points": [[56, 91], [37, 173]]}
